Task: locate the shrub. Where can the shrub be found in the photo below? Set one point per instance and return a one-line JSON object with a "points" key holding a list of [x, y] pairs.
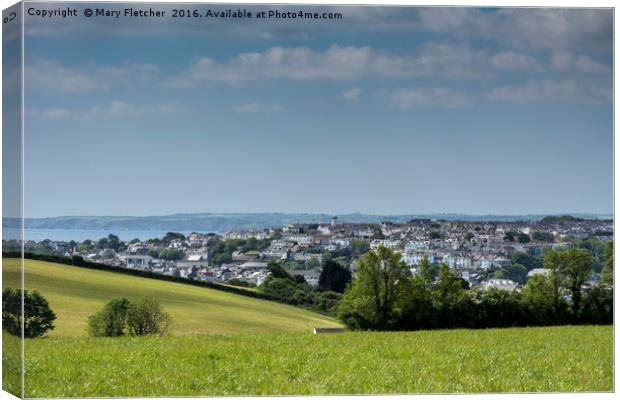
{"points": [[120, 316], [240, 283], [38, 316], [327, 301], [111, 321], [146, 317]]}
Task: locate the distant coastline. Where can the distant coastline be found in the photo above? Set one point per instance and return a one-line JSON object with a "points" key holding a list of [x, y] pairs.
{"points": [[83, 227]]}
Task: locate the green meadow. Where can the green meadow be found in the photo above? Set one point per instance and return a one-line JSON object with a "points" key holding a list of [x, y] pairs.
{"points": [[558, 359], [75, 293], [225, 344]]}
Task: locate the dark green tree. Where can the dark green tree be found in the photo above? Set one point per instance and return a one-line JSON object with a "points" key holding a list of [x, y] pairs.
{"points": [[38, 317], [523, 238], [277, 271], [576, 269], [334, 277]]}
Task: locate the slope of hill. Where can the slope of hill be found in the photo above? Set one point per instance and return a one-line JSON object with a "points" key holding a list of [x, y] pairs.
{"points": [[75, 293]]}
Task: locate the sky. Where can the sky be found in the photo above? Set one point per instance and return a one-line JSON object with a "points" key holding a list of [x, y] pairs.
{"points": [[391, 110]]}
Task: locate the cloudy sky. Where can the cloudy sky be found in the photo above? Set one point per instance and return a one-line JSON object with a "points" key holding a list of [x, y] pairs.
{"points": [[389, 110]]}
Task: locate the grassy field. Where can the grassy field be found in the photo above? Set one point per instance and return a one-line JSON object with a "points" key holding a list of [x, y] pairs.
{"points": [[215, 349], [75, 293], [553, 359]]}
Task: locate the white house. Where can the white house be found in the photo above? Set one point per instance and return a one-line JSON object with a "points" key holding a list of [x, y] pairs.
{"points": [[503, 284], [136, 261]]}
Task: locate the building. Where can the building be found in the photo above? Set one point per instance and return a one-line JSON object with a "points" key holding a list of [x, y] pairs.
{"points": [[136, 261], [503, 284]]}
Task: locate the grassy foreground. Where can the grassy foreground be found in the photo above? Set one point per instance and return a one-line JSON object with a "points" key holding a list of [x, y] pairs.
{"points": [[75, 293], [553, 359]]}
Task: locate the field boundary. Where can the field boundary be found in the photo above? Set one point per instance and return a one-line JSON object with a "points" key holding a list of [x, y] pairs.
{"points": [[81, 263]]}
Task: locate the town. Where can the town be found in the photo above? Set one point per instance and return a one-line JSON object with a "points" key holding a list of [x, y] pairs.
{"points": [[485, 254]]}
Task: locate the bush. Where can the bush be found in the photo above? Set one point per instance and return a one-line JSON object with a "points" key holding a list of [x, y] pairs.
{"points": [[120, 316], [240, 283], [111, 321], [597, 306], [327, 301], [146, 317], [39, 317]]}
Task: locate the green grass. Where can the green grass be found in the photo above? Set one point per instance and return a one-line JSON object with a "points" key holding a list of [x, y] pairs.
{"points": [[214, 349], [552, 359], [75, 293]]}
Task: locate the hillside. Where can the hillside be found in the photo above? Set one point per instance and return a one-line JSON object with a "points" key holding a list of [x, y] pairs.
{"points": [[75, 293]]}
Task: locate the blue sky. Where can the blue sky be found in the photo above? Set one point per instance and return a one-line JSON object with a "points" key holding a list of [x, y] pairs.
{"points": [[388, 111]]}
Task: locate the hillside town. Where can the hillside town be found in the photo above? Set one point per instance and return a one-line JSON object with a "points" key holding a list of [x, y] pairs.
{"points": [[482, 253]]}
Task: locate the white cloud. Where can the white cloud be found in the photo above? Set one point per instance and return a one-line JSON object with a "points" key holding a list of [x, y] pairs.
{"points": [[257, 108], [555, 91], [569, 62], [352, 94], [433, 97], [530, 28], [51, 75], [511, 61], [115, 109], [336, 63]]}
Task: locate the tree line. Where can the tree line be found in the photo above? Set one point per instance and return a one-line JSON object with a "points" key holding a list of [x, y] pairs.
{"points": [[384, 295]]}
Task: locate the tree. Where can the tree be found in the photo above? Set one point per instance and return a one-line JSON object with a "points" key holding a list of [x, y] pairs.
{"points": [[576, 269], [111, 321], [289, 290], [498, 308], [277, 271], [146, 317], [359, 247], [450, 299], [529, 261], [516, 272], [312, 262], [434, 235], [114, 242], [553, 261], [334, 277], [539, 300], [153, 253], [418, 311], [327, 301], [607, 272], [376, 297], [523, 238], [170, 236], [38, 317], [171, 254], [509, 236], [542, 236], [597, 306], [427, 271]]}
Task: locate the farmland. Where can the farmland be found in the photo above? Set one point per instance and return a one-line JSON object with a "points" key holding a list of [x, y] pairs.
{"points": [[551, 359], [225, 344], [75, 293]]}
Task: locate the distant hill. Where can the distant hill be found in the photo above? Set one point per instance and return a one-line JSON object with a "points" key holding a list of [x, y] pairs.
{"points": [[75, 293], [214, 222]]}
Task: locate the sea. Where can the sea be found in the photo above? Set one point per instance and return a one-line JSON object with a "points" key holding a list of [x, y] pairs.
{"points": [[79, 235]]}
